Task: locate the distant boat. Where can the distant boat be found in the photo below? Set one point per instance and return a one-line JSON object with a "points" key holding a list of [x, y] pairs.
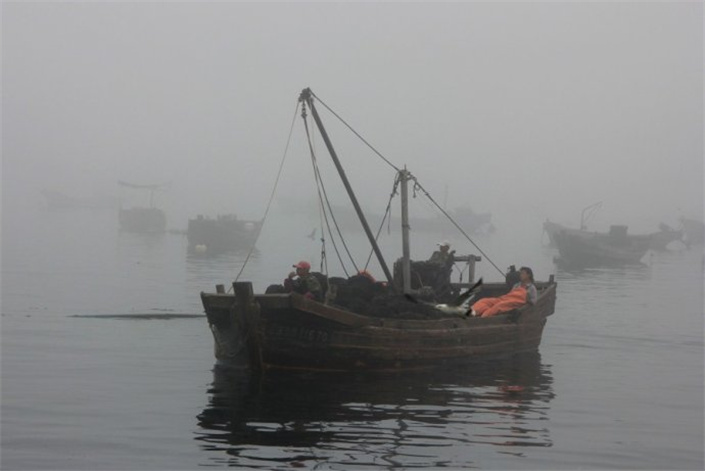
{"points": [[222, 234], [552, 228], [581, 249], [658, 241], [145, 220]]}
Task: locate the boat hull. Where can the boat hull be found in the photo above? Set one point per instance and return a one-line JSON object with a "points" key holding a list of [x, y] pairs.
{"points": [[223, 234], [292, 332], [583, 249]]}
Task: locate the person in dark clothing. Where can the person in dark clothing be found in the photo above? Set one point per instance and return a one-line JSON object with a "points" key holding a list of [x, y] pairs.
{"points": [[443, 255], [442, 261], [306, 283]]}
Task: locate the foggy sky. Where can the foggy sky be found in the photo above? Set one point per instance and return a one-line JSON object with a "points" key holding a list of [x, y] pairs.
{"points": [[523, 109]]}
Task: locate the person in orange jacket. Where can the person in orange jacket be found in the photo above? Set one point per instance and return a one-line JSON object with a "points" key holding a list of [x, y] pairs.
{"points": [[521, 293]]}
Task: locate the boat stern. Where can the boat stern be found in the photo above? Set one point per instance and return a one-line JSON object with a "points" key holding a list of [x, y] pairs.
{"points": [[232, 318]]}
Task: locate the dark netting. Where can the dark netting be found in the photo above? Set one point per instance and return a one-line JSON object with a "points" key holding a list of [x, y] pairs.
{"points": [[275, 289], [427, 275], [361, 295]]}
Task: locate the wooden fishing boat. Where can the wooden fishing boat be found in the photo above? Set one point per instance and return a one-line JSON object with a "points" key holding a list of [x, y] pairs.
{"points": [[221, 234], [658, 241], [594, 249], [291, 331]]}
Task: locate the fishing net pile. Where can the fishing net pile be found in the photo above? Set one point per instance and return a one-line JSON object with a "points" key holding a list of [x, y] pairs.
{"points": [[361, 295]]}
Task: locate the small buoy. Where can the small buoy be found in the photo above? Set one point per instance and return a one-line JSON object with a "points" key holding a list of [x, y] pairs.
{"points": [[200, 248], [511, 389]]}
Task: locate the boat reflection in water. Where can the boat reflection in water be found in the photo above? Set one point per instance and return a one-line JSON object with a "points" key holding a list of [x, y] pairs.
{"points": [[438, 419]]}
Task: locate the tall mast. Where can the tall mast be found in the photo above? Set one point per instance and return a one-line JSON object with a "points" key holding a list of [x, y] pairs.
{"points": [[307, 99], [406, 261]]}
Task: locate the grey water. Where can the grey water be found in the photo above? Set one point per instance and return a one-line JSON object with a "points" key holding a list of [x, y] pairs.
{"points": [[107, 363]]}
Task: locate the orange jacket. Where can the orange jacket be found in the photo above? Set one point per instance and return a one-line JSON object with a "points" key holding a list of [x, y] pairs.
{"points": [[487, 307]]}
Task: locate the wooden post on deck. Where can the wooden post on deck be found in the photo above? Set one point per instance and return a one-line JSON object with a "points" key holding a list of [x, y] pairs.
{"points": [[404, 176], [243, 291], [471, 267]]}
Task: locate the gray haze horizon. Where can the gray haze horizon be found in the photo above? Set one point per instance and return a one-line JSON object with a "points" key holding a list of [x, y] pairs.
{"points": [[526, 110]]}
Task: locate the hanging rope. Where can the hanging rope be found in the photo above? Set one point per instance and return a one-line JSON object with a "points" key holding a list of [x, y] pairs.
{"points": [[321, 212], [324, 258], [271, 196], [323, 196], [397, 179], [356, 133]]}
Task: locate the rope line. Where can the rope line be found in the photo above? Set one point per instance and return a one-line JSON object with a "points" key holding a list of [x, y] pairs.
{"points": [[386, 214], [320, 202], [324, 197], [271, 196], [416, 183], [356, 133], [321, 216], [455, 223]]}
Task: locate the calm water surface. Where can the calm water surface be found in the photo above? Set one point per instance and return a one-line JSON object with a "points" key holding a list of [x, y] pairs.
{"points": [[617, 384]]}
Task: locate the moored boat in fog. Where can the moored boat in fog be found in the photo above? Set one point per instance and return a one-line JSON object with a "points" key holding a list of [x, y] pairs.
{"points": [[392, 327], [594, 249], [221, 234]]}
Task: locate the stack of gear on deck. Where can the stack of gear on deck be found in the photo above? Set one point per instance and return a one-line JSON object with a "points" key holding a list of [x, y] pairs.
{"points": [[361, 295]]}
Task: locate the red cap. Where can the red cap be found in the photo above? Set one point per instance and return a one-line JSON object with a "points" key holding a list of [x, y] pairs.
{"points": [[303, 264]]}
